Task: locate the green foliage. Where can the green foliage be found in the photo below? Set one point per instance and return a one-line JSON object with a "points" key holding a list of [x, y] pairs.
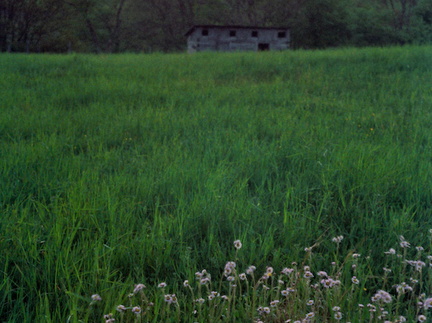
{"points": [[421, 30], [321, 23], [144, 168], [371, 25]]}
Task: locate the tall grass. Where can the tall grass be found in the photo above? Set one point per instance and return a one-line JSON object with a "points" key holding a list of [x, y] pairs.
{"points": [[126, 169]]}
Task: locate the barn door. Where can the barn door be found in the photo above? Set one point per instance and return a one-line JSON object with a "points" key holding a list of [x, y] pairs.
{"points": [[263, 46]]}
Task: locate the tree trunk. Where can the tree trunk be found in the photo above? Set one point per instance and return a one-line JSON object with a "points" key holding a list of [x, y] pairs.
{"points": [[93, 34]]}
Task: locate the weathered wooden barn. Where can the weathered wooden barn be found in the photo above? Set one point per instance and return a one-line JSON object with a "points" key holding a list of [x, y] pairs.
{"points": [[236, 38]]}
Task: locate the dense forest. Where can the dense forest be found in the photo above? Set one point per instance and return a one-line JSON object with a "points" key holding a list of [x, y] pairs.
{"points": [[112, 26]]}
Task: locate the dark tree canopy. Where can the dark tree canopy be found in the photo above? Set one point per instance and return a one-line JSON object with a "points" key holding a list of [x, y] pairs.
{"points": [[159, 25]]}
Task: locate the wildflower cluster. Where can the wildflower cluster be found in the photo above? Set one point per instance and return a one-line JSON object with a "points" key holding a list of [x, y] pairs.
{"points": [[297, 293], [337, 239], [203, 277]]}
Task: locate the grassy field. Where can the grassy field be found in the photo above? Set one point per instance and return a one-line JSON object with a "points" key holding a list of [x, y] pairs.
{"points": [[127, 169]]}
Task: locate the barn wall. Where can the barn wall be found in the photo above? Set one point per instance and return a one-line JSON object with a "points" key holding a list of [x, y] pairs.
{"points": [[219, 39]]}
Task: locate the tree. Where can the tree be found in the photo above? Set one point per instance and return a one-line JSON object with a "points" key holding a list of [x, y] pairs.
{"points": [[320, 24], [421, 27], [102, 21], [159, 25], [25, 23], [371, 24]]}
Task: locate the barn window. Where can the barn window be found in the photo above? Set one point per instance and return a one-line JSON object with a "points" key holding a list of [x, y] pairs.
{"points": [[281, 34], [204, 32], [254, 34], [232, 33]]}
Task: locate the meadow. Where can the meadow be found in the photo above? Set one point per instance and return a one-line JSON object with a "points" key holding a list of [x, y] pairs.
{"points": [[122, 170]]}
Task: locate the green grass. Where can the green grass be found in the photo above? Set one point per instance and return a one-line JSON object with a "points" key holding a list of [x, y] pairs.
{"points": [[126, 169]]}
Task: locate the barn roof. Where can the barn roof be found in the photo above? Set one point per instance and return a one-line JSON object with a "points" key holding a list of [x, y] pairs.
{"points": [[192, 29]]}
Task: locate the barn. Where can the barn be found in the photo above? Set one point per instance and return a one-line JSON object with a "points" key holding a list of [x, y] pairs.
{"points": [[236, 38]]}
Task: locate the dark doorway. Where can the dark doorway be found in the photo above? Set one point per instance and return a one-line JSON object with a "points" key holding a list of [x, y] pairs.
{"points": [[263, 46]]}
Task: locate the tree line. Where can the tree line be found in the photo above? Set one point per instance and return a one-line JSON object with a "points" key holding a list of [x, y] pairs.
{"points": [[112, 26]]}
